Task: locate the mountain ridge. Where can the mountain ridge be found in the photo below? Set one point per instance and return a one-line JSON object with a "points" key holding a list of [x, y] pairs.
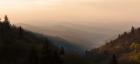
{"points": [[125, 48], [75, 34]]}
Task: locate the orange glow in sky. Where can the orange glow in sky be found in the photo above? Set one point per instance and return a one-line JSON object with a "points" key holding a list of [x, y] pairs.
{"points": [[29, 11]]}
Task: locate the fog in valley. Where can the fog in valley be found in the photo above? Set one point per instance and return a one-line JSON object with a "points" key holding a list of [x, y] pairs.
{"points": [[86, 23]]}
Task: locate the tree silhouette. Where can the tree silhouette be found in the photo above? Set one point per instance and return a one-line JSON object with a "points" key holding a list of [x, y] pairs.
{"points": [[62, 51], [114, 59], [51, 55], [34, 58], [6, 22], [14, 49], [21, 32], [46, 53], [132, 30], [61, 55]]}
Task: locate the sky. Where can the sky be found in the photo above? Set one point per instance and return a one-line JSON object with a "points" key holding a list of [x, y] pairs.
{"points": [[78, 11]]}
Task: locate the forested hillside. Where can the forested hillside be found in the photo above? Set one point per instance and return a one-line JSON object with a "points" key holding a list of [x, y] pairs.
{"points": [[123, 50], [19, 46]]}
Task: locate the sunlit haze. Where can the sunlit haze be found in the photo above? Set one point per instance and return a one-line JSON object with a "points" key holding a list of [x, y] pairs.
{"points": [[24, 11], [92, 13]]}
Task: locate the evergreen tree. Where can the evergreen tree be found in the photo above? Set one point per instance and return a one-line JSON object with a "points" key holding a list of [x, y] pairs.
{"points": [[61, 55], [21, 32], [6, 21], [57, 58], [119, 36], [46, 53], [51, 55], [114, 59], [22, 51], [125, 33], [34, 58], [132, 30], [62, 51]]}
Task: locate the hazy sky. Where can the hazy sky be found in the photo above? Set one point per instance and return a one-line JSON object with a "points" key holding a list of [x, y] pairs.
{"points": [[55, 11], [109, 16]]}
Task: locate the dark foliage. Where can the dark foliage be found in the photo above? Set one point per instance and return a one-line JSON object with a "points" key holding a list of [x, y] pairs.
{"points": [[18, 46], [114, 59], [126, 46]]}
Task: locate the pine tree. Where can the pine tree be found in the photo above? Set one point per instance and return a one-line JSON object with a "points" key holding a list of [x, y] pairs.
{"points": [[114, 59], [50, 55], [132, 30], [34, 58], [21, 32], [61, 55], [46, 53], [6, 21], [62, 51]]}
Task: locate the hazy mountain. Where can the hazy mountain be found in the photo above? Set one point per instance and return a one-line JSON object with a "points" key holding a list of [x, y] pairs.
{"points": [[21, 46], [69, 47], [58, 41], [83, 35]]}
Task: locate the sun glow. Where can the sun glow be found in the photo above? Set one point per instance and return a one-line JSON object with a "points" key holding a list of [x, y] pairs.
{"points": [[24, 3], [47, 2]]}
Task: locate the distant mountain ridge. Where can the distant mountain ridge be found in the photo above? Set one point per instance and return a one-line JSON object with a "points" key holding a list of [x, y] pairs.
{"points": [[58, 41], [85, 36], [22, 46]]}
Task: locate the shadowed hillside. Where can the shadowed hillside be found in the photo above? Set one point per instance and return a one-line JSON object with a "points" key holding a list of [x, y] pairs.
{"points": [[18, 46], [123, 50], [85, 36]]}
